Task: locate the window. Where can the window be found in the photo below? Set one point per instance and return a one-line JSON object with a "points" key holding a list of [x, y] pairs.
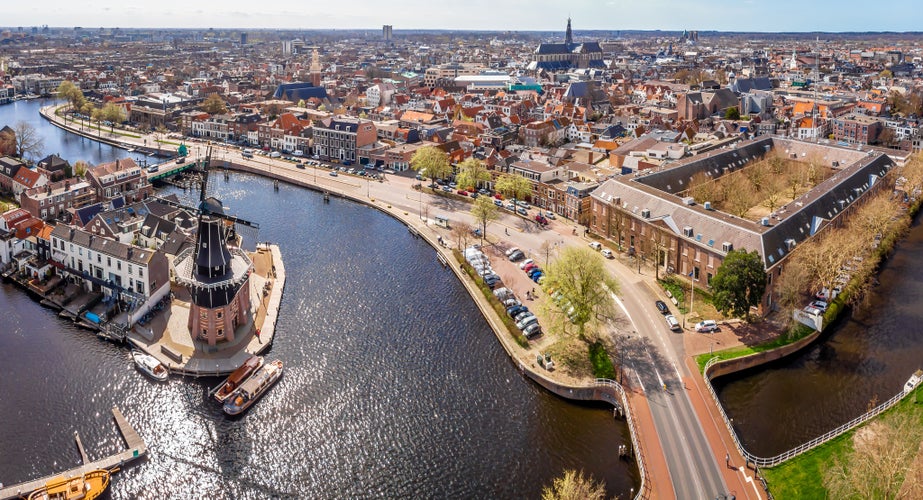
{"points": [[141, 272], [695, 273]]}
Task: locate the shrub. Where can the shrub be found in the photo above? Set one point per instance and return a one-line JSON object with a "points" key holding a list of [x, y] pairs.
{"points": [[602, 363]]}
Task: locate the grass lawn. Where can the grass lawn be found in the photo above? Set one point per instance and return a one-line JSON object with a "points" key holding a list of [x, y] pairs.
{"points": [[798, 332], [802, 476]]}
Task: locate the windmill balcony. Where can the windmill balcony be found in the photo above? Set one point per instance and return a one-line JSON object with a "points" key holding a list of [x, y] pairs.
{"points": [[238, 272]]}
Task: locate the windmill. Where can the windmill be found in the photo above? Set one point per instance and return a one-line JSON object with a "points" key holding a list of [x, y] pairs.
{"points": [[216, 272]]}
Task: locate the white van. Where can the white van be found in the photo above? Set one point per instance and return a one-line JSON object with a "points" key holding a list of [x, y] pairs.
{"points": [[595, 245], [247, 153], [298, 152], [607, 253], [275, 154]]}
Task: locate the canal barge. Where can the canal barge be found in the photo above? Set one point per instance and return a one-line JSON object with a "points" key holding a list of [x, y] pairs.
{"points": [[238, 377], [253, 388]]}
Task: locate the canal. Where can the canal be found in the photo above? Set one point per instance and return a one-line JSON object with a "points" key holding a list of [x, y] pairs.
{"points": [[860, 362], [395, 386]]}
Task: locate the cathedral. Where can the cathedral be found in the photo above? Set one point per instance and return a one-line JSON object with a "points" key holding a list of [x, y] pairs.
{"points": [[568, 55]]}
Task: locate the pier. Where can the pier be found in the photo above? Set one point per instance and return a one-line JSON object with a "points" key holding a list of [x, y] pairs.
{"points": [[135, 448]]}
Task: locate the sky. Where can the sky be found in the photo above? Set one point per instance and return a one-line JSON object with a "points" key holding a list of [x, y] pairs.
{"points": [[493, 15]]}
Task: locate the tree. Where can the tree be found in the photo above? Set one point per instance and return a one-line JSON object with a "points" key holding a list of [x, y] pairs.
{"points": [[484, 212], [27, 140], [80, 168], [7, 142], [732, 113], [461, 231], [471, 172], [739, 283], [98, 117], [883, 463], [214, 105], [574, 485], [579, 275], [113, 113], [513, 186], [159, 134], [431, 162], [887, 137]]}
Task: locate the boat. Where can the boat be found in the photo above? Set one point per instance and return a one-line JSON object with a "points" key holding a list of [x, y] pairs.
{"points": [[238, 377], [150, 365], [253, 388], [86, 486]]}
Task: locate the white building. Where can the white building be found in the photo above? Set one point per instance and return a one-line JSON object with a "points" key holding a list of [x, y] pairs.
{"points": [[138, 276]]}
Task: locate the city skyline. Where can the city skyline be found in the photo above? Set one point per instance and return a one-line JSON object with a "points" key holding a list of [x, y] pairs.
{"points": [[514, 15]]}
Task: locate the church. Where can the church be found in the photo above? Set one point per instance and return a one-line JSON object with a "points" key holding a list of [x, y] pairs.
{"points": [[568, 55]]}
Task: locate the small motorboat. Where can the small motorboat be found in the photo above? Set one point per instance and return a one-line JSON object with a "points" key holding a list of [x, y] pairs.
{"points": [[150, 365], [253, 388]]}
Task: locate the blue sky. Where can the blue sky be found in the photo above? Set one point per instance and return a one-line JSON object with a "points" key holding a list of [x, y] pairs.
{"points": [[724, 15]]}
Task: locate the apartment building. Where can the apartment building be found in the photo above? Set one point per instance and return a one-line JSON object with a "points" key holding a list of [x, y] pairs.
{"points": [[339, 138], [55, 200], [120, 178]]}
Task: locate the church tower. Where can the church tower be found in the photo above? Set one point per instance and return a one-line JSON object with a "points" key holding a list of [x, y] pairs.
{"points": [[315, 68], [568, 35]]}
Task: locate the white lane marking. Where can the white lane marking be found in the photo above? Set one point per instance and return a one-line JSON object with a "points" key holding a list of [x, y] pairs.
{"points": [[750, 480]]}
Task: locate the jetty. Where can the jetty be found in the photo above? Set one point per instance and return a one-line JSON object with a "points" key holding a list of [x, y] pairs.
{"points": [[135, 448]]}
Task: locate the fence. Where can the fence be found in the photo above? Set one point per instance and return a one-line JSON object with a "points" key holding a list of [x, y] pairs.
{"points": [[636, 446], [798, 450]]}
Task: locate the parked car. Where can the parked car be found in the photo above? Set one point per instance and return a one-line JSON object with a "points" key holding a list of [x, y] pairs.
{"points": [[515, 310], [813, 311], [462, 192], [517, 256], [538, 277], [333, 173], [526, 263], [511, 251], [595, 245], [522, 315], [522, 211], [541, 219], [672, 323], [532, 330], [550, 214], [511, 207], [497, 202], [530, 267], [607, 253], [662, 307], [820, 304], [528, 320], [707, 326], [524, 204]]}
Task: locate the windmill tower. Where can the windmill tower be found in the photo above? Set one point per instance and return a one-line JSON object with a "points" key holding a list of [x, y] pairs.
{"points": [[217, 274]]}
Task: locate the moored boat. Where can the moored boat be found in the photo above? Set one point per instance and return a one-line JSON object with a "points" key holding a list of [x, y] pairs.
{"points": [[253, 388], [150, 365], [85, 486], [238, 377]]}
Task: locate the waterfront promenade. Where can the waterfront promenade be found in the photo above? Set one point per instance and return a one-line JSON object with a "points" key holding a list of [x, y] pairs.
{"points": [[651, 407]]}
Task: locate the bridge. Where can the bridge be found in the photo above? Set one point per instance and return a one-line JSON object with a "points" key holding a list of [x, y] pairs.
{"points": [[169, 169]]}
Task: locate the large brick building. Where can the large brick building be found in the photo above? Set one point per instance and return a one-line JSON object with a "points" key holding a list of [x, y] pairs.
{"points": [[648, 216], [120, 178], [340, 138]]}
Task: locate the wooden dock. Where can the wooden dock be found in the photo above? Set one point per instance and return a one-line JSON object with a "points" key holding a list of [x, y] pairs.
{"points": [[135, 448]]}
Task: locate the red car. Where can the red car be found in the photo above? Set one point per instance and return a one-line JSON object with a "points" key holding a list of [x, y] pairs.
{"points": [[529, 267], [541, 219], [498, 196], [462, 192]]}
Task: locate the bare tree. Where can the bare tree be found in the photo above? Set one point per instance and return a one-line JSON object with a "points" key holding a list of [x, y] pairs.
{"points": [[573, 485], [29, 143], [461, 231], [703, 188], [881, 464]]}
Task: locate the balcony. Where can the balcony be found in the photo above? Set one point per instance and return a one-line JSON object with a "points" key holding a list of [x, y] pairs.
{"points": [[184, 270]]}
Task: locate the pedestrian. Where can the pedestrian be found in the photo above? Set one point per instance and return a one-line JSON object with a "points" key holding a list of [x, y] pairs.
{"points": [[507, 231], [258, 336], [727, 460]]}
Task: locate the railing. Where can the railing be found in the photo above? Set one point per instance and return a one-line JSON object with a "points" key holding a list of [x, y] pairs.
{"points": [[632, 431], [191, 282], [798, 450]]}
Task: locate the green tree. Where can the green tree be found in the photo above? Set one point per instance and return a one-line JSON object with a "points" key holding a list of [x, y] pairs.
{"points": [[214, 105], [431, 162], [573, 485], [80, 168], [739, 283], [579, 275], [732, 113], [98, 117], [513, 186], [113, 113], [484, 212], [471, 172]]}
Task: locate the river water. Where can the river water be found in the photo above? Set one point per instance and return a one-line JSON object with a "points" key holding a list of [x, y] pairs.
{"points": [[860, 362], [395, 386]]}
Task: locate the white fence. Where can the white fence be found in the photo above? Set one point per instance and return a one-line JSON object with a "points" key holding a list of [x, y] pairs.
{"points": [[798, 450], [636, 446]]}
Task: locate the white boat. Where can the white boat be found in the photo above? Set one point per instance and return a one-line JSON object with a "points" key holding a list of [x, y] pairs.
{"points": [[238, 377], [253, 388], [150, 366]]}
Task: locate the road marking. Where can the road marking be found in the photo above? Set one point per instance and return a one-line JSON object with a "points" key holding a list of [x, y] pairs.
{"points": [[750, 480]]}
